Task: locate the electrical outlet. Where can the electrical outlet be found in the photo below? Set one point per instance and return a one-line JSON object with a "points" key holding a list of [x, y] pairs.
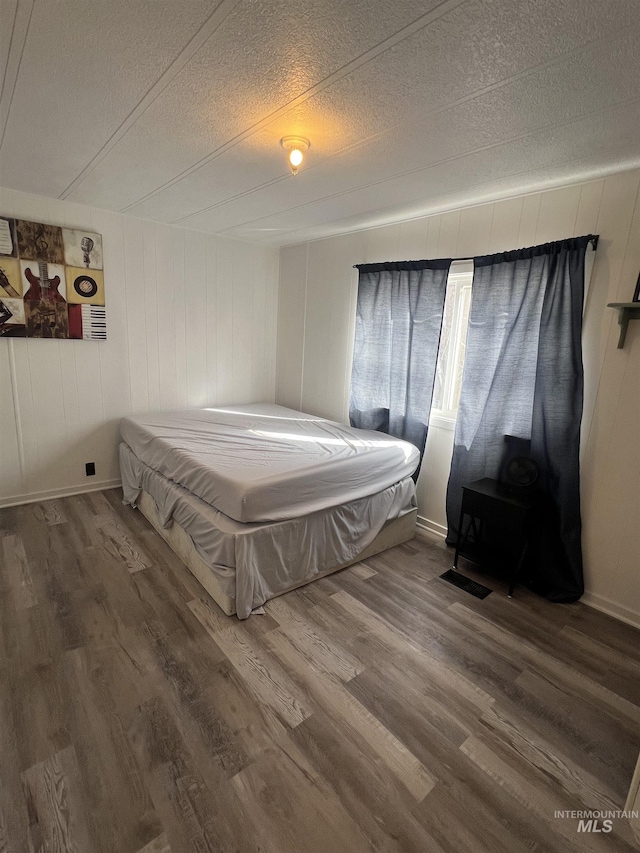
{"points": [[90, 468]]}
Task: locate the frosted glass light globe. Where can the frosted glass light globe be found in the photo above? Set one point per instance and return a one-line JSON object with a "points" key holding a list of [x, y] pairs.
{"points": [[295, 157]]}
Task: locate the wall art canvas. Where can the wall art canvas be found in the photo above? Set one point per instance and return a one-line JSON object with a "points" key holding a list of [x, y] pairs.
{"points": [[51, 282], [85, 287], [82, 249], [8, 246], [12, 321], [39, 242], [10, 278]]}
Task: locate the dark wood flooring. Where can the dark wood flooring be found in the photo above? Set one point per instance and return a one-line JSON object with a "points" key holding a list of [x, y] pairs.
{"points": [[379, 709]]}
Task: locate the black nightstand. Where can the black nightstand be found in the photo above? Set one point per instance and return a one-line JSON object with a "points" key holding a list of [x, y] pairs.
{"points": [[492, 502]]}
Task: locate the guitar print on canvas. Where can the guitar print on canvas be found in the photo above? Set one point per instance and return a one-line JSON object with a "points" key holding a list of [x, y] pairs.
{"points": [[45, 308]]}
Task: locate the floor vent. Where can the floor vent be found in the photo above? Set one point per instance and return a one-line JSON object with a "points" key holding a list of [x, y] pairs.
{"points": [[466, 584]]}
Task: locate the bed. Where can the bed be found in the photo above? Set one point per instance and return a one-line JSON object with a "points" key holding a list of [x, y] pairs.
{"points": [[259, 499]]}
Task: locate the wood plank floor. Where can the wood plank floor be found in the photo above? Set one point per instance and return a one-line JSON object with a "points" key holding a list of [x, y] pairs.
{"points": [[379, 709]]}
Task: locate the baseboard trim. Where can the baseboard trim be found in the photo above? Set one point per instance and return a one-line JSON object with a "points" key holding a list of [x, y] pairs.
{"points": [[612, 608], [432, 527], [50, 494], [598, 602]]}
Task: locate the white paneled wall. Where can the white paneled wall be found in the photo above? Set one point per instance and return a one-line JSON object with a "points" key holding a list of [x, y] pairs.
{"points": [[191, 321], [316, 324]]}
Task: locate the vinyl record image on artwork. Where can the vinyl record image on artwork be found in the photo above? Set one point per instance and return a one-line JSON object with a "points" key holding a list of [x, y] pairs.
{"points": [[39, 242], [84, 286]]}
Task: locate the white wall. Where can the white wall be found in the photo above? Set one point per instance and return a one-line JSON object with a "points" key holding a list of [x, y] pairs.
{"points": [[316, 326], [191, 321]]}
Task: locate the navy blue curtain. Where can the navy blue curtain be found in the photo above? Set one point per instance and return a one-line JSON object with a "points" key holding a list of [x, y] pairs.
{"points": [[523, 377], [398, 323]]}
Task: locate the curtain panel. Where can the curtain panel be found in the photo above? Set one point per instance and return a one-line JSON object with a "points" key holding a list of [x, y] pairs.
{"points": [[523, 377], [398, 323]]}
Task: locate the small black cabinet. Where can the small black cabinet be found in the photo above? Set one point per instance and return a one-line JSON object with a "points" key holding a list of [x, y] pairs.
{"points": [[492, 503]]}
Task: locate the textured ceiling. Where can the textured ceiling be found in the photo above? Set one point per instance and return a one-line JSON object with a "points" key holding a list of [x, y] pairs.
{"points": [[173, 109]]}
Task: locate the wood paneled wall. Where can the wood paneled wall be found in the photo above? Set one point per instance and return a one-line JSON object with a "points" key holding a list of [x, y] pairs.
{"points": [[316, 325], [191, 321]]}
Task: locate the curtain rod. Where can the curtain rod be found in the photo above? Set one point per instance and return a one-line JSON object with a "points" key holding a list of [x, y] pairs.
{"points": [[592, 238]]}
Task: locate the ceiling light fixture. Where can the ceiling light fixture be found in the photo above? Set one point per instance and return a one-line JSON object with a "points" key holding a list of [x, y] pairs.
{"points": [[296, 146]]}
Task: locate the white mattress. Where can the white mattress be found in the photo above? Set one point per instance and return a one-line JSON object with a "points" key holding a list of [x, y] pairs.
{"points": [[262, 462]]}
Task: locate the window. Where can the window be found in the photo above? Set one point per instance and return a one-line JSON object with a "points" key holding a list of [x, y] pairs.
{"points": [[448, 381], [453, 338]]}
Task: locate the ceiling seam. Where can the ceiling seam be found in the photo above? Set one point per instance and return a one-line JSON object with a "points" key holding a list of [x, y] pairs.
{"points": [[386, 44], [25, 3], [469, 98], [395, 176], [197, 41], [238, 196], [600, 173]]}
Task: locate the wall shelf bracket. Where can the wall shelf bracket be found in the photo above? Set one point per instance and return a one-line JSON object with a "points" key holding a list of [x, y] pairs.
{"points": [[626, 311]]}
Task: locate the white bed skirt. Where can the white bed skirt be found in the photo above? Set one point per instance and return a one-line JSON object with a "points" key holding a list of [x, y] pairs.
{"points": [[394, 532], [252, 563]]}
